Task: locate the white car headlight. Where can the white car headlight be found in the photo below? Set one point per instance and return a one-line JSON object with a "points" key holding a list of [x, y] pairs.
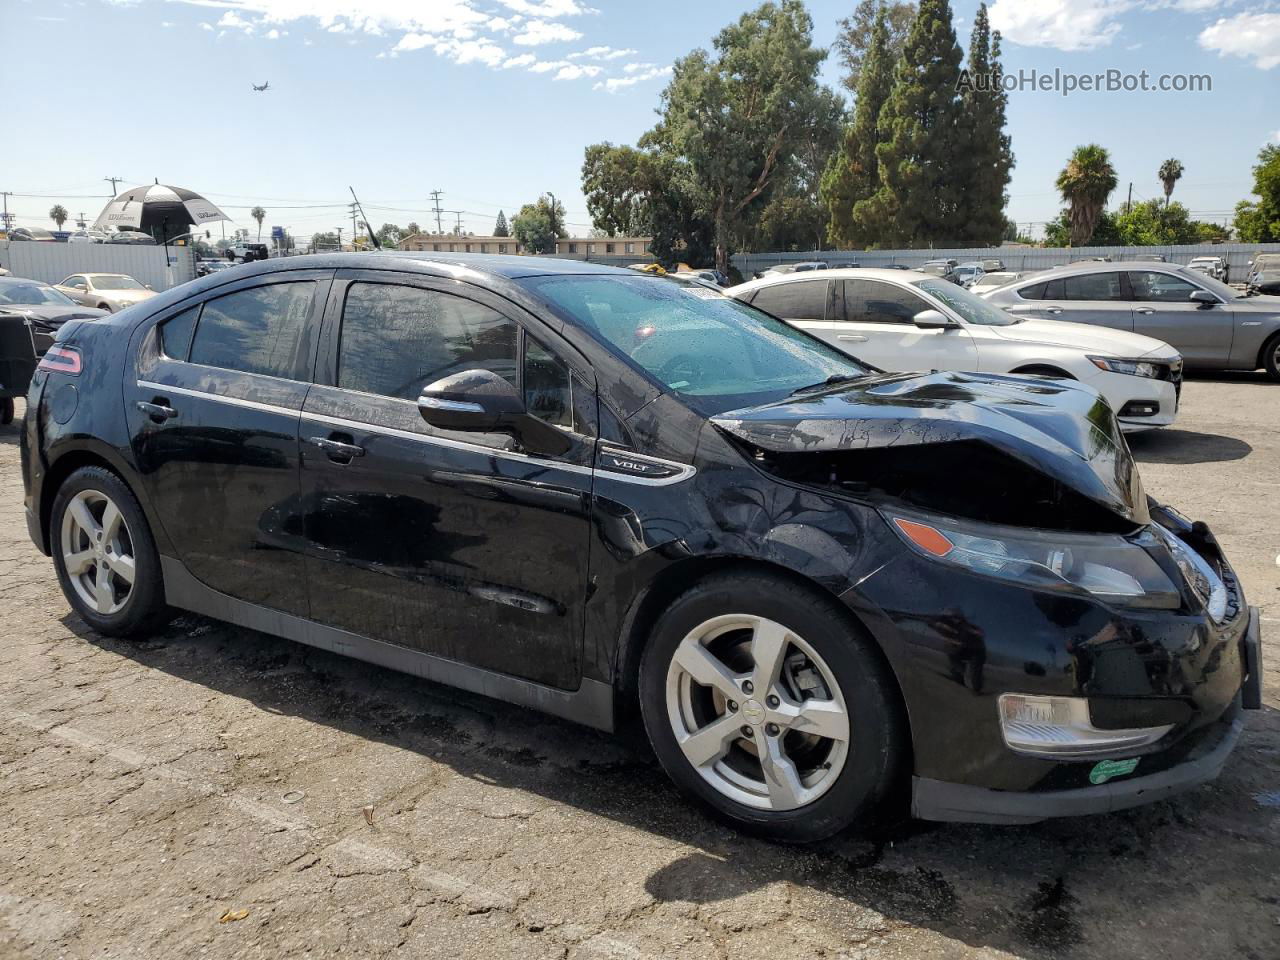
{"points": [[1134, 368]]}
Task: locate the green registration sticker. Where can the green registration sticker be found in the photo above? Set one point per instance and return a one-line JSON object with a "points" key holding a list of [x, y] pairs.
{"points": [[1106, 769]]}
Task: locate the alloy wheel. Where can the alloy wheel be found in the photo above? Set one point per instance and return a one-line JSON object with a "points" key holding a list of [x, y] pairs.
{"points": [[97, 552], [757, 712]]}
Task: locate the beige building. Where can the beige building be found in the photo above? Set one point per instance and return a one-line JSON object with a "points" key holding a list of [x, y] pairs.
{"points": [[454, 244], [604, 247]]}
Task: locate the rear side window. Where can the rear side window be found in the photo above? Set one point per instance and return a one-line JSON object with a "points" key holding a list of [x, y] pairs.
{"points": [[397, 339], [175, 334], [259, 330], [798, 300], [1093, 286]]}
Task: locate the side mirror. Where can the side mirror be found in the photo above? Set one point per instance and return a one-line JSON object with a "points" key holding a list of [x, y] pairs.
{"points": [[480, 401], [932, 320], [148, 286], [1203, 297]]}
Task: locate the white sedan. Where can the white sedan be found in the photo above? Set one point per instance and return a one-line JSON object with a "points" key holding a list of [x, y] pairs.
{"points": [[907, 321], [106, 291]]}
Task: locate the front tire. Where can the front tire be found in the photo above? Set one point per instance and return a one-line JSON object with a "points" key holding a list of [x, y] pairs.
{"points": [[764, 702], [6, 410], [1271, 357], [105, 556]]}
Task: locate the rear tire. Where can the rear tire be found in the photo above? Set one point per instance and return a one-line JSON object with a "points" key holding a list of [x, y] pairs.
{"points": [[766, 704], [1271, 358], [6, 410], [105, 556]]}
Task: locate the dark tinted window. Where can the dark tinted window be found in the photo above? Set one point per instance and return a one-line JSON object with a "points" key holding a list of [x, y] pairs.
{"points": [[1093, 286], [175, 333], [1033, 292], [1156, 287], [259, 330], [798, 300], [873, 301], [548, 387], [396, 339]]}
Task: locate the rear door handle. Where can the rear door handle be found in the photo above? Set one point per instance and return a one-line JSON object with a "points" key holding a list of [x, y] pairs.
{"points": [[158, 410], [1053, 310], [854, 338], [338, 450], [1145, 311]]}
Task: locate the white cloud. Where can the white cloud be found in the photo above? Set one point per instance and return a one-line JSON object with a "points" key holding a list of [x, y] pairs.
{"points": [[524, 60], [415, 41], [575, 71], [166, 24], [206, 26], [641, 73], [601, 53], [1254, 36], [1275, 137], [233, 21], [1060, 24], [472, 51], [547, 8], [537, 32], [546, 66]]}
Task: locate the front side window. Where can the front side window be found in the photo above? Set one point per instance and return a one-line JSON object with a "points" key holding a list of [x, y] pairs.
{"points": [[74, 282], [714, 352], [548, 386], [259, 330], [969, 305], [397, 339], [1152, 287], [873, 301], [796, 300], [1093, 286]]}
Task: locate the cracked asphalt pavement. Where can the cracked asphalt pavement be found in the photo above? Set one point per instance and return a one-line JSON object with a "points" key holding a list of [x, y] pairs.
{"points": [[216, 792]]}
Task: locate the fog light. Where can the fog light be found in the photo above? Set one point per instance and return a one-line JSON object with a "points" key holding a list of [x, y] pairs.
{"points": [[1059, 728]]}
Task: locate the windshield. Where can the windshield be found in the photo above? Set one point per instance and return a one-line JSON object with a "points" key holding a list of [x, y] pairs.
{"points": [[116, 282], [972, 308], [714, 352], [32, 294]]}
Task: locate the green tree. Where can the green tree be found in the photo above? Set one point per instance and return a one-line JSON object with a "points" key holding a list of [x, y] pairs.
{"points": [[1170, 173], [500, 228], [986, 146], [319, 241], [412, 227], [58, 214], [735, 117], [258, 214], [620, 185], [854, 43], [853, 176], [1057, 232], [1259, 221], [390, 235], [538, 225], [922, 164], [1085, 184]]}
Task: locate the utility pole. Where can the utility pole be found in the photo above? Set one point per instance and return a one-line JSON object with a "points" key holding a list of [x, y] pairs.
{"points": [[113, 181], [435, 196], [354, 230], [340, 229], [1128, 204], [8, 224], [80, 221], [457, 229]]}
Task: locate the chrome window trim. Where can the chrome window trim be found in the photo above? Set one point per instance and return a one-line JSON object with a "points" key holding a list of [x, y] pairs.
{"points": [[686, 470]]}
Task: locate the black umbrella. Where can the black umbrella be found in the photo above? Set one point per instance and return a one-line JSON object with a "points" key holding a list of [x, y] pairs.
{"points": [[158, 208]]}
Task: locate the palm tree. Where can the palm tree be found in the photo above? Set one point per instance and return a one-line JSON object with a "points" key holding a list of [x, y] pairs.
{"points": [[58, 214], [258, 214], [1170, 173], [1085, 183]]}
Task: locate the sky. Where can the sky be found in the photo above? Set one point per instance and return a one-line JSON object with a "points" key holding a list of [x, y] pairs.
{"points": [[493, 101]]}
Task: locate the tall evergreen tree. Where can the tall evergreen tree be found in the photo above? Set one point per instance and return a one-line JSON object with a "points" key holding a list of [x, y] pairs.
{"points": [[500, 228], [853, 175], [985, 147], [854, 40], [921, 155]]}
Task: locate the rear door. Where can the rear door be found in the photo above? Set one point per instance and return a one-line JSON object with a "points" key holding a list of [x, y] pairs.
{"points": [[1163, 309], [1097, 298], [212, 406], [882, 315], [454, 543]]}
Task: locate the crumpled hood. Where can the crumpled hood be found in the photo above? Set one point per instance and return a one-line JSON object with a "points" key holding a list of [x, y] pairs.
{"points": [[1061, 428], [1084, 336], [50, 314]]}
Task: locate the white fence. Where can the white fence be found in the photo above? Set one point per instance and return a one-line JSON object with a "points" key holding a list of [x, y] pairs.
{"points": [[1015, 257], [53, 262]]}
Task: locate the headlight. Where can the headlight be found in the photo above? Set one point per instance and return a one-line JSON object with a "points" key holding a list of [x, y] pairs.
{"points": [[1134, 368], [1110, 567], [1201, 578]]}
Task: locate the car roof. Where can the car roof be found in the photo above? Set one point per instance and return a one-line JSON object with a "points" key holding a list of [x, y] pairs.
{"points": [[835, 273], [439, 264], [1097, 266]]}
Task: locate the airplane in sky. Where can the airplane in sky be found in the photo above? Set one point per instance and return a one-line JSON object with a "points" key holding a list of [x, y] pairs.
{"points": [[260, 89]]}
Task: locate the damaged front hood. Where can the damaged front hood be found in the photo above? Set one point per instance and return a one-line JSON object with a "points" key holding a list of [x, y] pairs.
{"points": [[1058, 427]]}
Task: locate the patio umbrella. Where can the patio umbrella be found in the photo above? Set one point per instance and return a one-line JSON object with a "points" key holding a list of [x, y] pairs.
{"points": [[158, 206]]}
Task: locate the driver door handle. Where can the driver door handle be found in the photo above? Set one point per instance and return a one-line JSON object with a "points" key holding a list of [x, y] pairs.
{"points": [[1053, 310], [1143, 310], [336, 449], [852, 337], [159, 411]]}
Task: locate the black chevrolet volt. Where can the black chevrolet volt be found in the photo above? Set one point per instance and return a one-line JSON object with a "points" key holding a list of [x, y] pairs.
{"points": [[827, 589]]}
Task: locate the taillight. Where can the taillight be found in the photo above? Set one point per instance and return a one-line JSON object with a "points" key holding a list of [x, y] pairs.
{"points": [[61, 360]]}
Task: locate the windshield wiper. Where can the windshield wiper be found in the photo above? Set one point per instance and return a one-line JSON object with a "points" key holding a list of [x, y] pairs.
{"points": [[831, 381]]}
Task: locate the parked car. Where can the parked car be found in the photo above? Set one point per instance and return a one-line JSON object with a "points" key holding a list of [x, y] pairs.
{"points": [[1215, 267], [1092, 260], [106, 291], [1150, 257], [993, 265], [1213, 326], [917, 321], [711, 276], [969, 273], [946, 269], [31, 233], [574, 487], [31, 313], [132, 236], [87, 236], [248, 252], [1264, 274], [993, 281]]}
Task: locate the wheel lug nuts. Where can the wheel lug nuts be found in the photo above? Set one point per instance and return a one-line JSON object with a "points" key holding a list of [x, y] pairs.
{"points": [[771, 729], [773, 701], [733, 706], [747, 732], [747, 686]]}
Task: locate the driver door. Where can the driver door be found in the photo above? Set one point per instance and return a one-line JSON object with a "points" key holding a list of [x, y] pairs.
{"points": [[453, 543], [1163, 309], [882, 315], [77, 288]]}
